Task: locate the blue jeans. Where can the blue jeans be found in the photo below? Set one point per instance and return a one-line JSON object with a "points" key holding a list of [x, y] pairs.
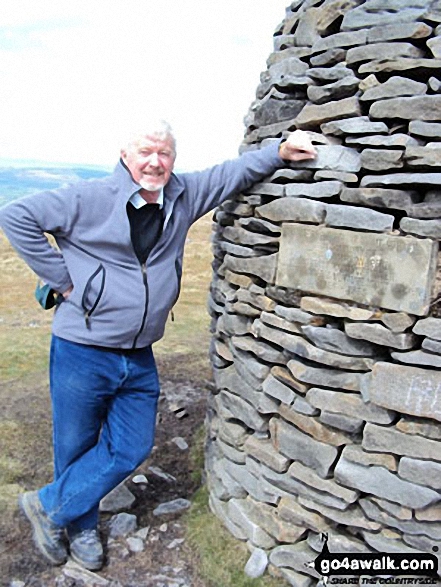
{"points": [[104, 406]]}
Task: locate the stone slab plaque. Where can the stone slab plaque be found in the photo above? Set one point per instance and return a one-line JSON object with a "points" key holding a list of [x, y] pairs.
{"points": [[378, 270], [409, 390]]}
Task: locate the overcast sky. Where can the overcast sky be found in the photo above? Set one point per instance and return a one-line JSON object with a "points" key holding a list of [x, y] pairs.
{"points": [[76, 74]]}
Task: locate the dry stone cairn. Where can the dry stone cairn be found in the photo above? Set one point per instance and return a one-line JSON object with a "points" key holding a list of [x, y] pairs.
{"points": [[325, 299]]}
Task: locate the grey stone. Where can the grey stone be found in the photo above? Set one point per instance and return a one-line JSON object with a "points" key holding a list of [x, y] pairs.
{"points": [[302, 406], [378, 481], [122, 524], [330, 57], [333, 339], [395, 86], [400, 64], [299, 446], [321, 189], [397, 141], [338, 542], [340, 40], [232, 433], [383, 542], [264, 451], [219, 508], [359, 125], [326, 377], [118, 499], [390, 32], [237, 250], [418, 357], [280, 323], [425, 129], [377, 51], [259, 225], [380, 335], [135, 544], [335, 158], [260, 349], [428, 209], [398, 511], [272, 111], [428, 156], [314, 115], [256, 564], [240, 235], [383, 12], [398, 321], [337, 90], [329, 74], [379, 197], [289, 509], [243, 411], [427, 428], [233, 324], [308, 477], [294, 556], [433, 346], [278, 390], [342, 422], [252, 483], [250, 368], [381, 159], [338, 175], [349, 404], [266, 517], [268, 189], [434, 45], [356, 454], [263, 267], [339, 310], [409, 390], [295, 315], [82, 576], [175, 506], [285, 376], [286, 175], [352, 517], [382, 439], [239, 511], [430, 327], [231, 453], [293, 209], [417, 107], [311, 259], [359, 218], [421, 472]]}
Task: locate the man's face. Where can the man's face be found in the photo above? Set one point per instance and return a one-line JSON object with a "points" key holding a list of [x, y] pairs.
{"points": [[150, 161]]}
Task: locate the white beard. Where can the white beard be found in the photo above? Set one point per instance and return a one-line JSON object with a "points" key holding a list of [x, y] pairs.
{"points": [[151, 187]]}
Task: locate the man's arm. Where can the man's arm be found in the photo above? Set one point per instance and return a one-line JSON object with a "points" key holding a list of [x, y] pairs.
{"points": [[207, 189]]}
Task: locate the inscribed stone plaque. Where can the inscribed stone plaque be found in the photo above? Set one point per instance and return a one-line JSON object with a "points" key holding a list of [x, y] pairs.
{"points": [[380, 270], [409, 390]]}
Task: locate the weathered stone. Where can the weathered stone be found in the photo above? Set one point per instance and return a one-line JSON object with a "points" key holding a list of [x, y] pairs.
{"points": [[425, 472], [314, 428], [396, 510], [237, 279], [285, 376], [341, 422], [233, 324], [425, 129], [232, 433], [335, 158], [272, 111], [408, 390], [243, 411], [430, 327], [428, 156], [256, 564], [325, 377], [237, 250], [289, 509], [398, 321], [293, 209], [263, 267], [308, 477], [338, 175], [329, 74], [378, 334], [249, 368], [397, 141], [418, 107], [381, 159], [356, 454], [240, 235], [295, 556], [330, 57], [359, 125], [252, 484], [383, 12], [239, 511], [260, 349], [337, 542], [418, 357], [434, 45], [267, 517], [349, 404], [263, 450], [295, 315], [384, 542], [286, 175], [383, 483], [359, 218], [337, 90], [231, 453], [377, 51], [302, 406], [352, 517], [333, 339], [433, 346], [340, 40], [268, 189], [321, 189], [280, 323], [278, 390], [390, 32], [339, 310], [313, 115], [258, 225], [258, 300], [395, 86], [400, 64], [122, 524], [303, 348], [430, 514], [296, 445], [377, 270], [117, 500], [379, 197], [382, 439], [427, 209]]}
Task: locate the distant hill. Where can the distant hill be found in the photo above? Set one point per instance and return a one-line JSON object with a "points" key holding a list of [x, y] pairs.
{"points": [[21, 181]]}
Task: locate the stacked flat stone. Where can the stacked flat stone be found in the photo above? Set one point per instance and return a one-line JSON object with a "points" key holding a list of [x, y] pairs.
{"points": [[326, 349]]}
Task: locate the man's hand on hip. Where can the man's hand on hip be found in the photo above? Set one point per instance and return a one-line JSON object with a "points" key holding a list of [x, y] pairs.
{"points": [[297, 147]]}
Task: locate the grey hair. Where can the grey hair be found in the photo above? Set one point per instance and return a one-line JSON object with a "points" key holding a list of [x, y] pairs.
{"points": [[157, 128]]}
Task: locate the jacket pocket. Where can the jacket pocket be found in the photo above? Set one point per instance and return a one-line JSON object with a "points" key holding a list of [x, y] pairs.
{"points": [[178, 268], [93, 292]]}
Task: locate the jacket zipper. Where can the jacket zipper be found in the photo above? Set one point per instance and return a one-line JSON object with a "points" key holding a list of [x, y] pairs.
{"points": [[144, 317]]}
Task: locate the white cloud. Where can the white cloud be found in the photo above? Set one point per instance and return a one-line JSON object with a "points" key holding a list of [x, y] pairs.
{"points": [[76, 75]]}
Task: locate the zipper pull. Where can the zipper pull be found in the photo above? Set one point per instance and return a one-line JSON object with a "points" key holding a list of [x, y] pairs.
{"points": [[172, 315], [87, 319]]}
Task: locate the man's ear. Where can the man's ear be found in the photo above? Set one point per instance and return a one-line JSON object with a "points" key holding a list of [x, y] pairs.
{"points": [[123, 155]]}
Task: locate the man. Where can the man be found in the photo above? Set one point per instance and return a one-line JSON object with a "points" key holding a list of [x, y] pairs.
{"points": [[117, 271]]}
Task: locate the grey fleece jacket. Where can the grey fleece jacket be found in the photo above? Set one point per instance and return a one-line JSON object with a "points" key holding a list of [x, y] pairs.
{"points": [[116, 302]]}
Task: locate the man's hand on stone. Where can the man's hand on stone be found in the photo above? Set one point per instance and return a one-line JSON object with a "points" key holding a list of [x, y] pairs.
{"points": [[297, 147]]}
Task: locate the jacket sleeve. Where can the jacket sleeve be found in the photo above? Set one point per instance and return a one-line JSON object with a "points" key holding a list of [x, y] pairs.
{"points": [[25, 222], [209, 188]]}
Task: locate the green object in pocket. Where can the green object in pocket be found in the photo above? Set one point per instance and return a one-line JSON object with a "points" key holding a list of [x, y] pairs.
{"points": [[46, 296]]}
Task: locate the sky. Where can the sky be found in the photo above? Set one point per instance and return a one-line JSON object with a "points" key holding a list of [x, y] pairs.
{"points": [[76, 76]]}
